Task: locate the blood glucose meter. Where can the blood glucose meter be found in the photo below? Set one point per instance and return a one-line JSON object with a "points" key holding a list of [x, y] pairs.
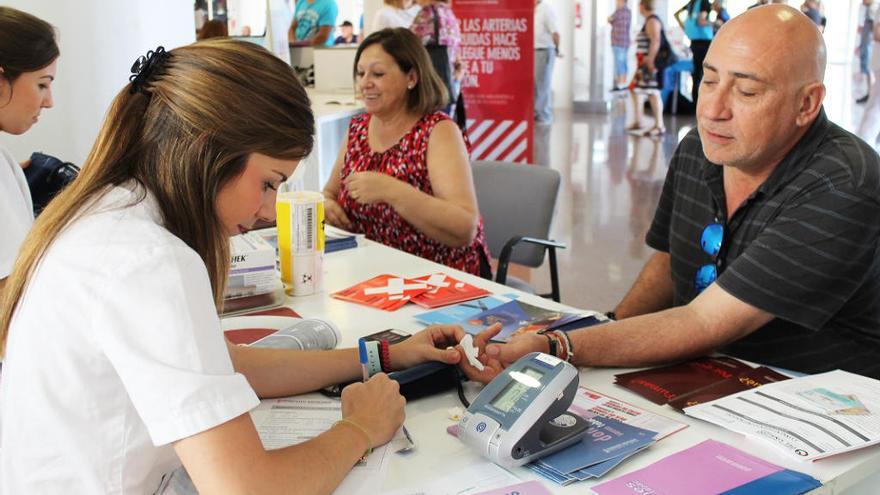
{"points": [[521, 415]]}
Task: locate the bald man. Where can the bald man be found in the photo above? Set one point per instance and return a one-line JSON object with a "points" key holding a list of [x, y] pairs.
{"points": [[766, 234]]}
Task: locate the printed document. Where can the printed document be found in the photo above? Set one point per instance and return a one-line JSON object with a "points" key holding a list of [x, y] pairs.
{"points": [[293, 420], [809, 418]]}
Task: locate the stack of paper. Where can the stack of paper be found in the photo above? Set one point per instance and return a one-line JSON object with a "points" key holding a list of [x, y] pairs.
{"points": [[607, 443], [293, 420], [589, 403], [710, 467], [808, 418]]}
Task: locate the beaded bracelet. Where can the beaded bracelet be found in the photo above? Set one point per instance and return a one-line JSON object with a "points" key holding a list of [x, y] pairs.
{"points": [[551, 344], [569, 348], [360, 429], [385, 355]]}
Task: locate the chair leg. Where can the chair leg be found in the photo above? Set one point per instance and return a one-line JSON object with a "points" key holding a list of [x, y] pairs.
{"points": [[554, 276]]}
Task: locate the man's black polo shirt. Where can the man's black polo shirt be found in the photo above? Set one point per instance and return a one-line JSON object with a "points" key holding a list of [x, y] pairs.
{"points": [[804, 247]]}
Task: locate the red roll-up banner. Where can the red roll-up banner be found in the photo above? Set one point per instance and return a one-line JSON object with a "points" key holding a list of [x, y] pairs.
{"points": [[497, 49]]}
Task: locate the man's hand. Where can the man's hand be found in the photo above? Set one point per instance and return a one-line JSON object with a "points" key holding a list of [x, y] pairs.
{"points": [[431, 344], [496, 357]]}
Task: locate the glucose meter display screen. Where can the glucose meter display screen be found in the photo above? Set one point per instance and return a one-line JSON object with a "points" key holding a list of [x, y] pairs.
{"points": [[516, 388]]}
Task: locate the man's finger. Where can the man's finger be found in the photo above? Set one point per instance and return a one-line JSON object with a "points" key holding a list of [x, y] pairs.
{"points": [[488, 334]]}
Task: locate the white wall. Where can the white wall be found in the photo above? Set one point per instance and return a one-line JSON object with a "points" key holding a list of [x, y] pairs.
{"points": [[99, 40]]}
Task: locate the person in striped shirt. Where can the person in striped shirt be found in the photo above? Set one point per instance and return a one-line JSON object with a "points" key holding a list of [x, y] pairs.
{"points": [[768, 228]]}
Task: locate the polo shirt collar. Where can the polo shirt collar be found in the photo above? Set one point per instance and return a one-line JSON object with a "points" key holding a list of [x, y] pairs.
{"points": [[798, 158]]}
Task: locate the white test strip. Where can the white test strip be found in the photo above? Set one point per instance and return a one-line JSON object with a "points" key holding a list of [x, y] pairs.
{"points": [[471, 352]]}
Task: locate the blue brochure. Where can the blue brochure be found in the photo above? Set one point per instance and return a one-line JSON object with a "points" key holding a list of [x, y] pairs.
{"points": [[602, 468], [518, 317], [784, 482], [605, 440], [552, 475], [510, 315], [451, 315]]}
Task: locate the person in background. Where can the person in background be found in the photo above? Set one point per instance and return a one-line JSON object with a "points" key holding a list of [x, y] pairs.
{"points": [[869, 127], [699, 30], [816, 12], [447, 34], [648, 80], [28, 62], [200, 13], [115, 364], [620, 21], [721, 14], [214, 28], [868, 14], [546, 52], [402, 176], [347, 37], [313, 22], [766, 234], [394, 14]]}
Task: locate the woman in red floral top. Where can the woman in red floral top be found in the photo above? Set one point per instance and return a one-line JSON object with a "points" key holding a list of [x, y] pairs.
{"points": [[403, 177]]}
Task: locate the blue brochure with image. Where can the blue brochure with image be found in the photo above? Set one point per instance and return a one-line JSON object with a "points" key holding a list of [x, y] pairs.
{"points": [[451, 315], [605, 440], [518, 317]]}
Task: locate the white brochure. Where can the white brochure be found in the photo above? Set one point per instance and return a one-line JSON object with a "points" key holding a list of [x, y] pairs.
{"points": [[809, 418]]}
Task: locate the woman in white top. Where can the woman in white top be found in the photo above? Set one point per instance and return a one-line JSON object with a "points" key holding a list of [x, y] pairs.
{"points": [[28, 56], [394, 14], [116, 369]]}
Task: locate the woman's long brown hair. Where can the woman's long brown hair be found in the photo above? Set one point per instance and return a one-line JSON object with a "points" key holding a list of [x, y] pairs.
{"points": [[208, 107]]}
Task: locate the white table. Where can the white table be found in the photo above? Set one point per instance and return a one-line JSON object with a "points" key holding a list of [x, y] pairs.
{"points": [[427, 417]]}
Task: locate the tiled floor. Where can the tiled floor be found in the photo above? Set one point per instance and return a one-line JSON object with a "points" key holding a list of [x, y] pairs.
{"points": [[611, 182]]}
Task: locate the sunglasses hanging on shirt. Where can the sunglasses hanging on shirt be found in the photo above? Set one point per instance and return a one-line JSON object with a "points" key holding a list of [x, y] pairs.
{"points": [[710, 240]]}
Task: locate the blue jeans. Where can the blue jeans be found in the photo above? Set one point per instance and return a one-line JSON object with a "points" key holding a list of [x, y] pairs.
{"points": [[865, 58], [620, 59], [544, 60]]}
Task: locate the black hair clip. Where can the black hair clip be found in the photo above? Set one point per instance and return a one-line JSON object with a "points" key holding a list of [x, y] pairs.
{"points": [[144, 67]]}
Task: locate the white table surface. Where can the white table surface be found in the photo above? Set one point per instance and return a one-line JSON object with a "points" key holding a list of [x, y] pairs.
{"points": [[438, 453]]}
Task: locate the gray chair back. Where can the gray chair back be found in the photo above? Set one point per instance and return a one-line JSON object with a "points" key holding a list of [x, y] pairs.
{"points": [[516, 200]]}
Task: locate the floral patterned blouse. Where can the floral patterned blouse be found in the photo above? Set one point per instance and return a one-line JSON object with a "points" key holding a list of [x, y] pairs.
{"points": [[405, 161]]}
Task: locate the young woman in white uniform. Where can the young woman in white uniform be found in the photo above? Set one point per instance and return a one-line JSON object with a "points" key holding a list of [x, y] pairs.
{"points": [[116, 369], [28, 56]]}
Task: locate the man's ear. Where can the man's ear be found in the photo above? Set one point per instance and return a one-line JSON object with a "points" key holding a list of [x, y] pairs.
{"points": [[812, 96]]}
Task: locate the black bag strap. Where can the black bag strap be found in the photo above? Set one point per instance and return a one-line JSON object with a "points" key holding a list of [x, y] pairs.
{"points": [[664, 41], [460, 116], [436, 25]]}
